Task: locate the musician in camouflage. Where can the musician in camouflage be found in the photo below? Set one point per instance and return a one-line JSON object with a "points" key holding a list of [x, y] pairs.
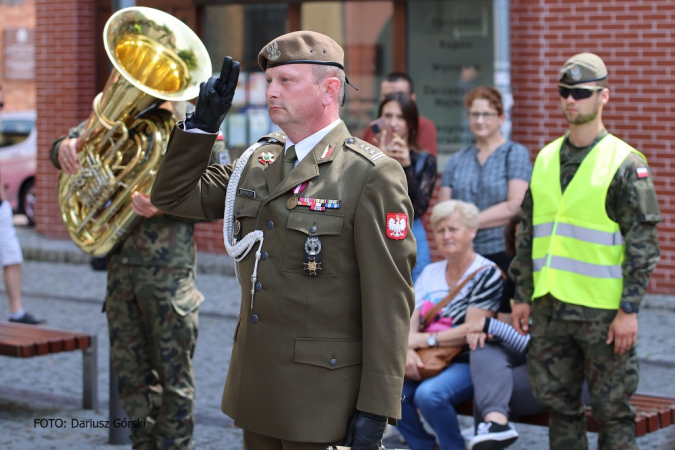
{"points": [[570, 339], [152, 310]]}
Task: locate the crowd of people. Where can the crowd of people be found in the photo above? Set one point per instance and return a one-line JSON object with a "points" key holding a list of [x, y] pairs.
{"points": [[540, 279]]}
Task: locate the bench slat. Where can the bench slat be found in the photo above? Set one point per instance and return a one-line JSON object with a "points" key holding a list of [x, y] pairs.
{"points": [[25, 341]]}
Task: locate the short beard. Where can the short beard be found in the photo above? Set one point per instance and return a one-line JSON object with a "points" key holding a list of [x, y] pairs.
{"points": [[582, 119]]}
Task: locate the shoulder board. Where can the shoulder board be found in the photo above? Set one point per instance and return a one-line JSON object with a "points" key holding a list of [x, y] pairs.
{"points": [[365, 149], [274, 138]]}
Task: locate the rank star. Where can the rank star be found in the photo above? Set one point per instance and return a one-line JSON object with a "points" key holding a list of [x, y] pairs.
{"points": [[312, 266]]}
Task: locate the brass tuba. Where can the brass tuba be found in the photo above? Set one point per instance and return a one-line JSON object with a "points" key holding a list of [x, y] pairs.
{"points": [[156, 58]]}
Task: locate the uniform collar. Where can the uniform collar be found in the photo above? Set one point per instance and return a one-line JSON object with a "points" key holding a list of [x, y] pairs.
{"points": [[306, 145]]}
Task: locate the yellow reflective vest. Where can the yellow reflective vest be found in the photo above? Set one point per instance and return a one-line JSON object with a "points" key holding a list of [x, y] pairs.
{"points": [[577, 250]]}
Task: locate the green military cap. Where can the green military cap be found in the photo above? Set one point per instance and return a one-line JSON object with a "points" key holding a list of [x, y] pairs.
{"points": [[302, 47], [582, 68]]}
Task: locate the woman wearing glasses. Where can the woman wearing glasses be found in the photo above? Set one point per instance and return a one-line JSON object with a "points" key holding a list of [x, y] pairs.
{"points": [[493, 174]]}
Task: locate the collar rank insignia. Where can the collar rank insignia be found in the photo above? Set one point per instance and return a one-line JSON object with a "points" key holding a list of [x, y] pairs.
{"points": [[266, 158]]}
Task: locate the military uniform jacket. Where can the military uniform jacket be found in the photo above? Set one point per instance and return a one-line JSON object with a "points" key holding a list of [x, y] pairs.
{"points": [[312, 349]]}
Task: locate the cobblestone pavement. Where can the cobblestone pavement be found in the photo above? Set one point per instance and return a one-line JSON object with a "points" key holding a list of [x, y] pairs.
{"points": [[70, 296]]}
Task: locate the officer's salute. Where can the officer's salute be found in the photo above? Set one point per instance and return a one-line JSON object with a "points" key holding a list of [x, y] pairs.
{"points": [[586, 250], [320, 222]]}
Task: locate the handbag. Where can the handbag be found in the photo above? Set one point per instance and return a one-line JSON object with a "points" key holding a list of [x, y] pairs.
{"points": [[435, 359]]}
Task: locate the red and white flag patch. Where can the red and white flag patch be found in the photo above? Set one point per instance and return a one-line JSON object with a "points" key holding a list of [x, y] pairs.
{"points": [[642, 172], [397, 226]]}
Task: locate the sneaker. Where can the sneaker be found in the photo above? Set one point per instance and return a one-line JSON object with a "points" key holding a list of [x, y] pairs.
{"points": [[493, 436], [28, 319]]}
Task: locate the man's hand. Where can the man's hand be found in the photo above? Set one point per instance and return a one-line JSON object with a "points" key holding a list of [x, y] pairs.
{"points": [[215, 99], [140, 204], [413, 364], [623, 331], [365, 431], [68, 156], [520, 315]]}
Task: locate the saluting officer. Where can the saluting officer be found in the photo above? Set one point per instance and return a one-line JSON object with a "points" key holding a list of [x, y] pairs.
{"points": [[586, 250], [320, 224]]}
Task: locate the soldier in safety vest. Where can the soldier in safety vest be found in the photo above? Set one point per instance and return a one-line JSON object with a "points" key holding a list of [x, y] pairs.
{"points": [[587, 247], [319, 222]]}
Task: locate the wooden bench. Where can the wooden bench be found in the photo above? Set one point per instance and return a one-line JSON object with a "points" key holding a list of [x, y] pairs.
{"points": [[27, 341], [654, 412]]}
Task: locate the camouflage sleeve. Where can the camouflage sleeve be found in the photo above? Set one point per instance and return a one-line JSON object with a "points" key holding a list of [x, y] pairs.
{"points": [[520, 269], [632, 203], [54, 150]]}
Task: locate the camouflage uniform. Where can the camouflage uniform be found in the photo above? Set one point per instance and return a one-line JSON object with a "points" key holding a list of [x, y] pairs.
{"points": [[152, 310], [569, 341]]}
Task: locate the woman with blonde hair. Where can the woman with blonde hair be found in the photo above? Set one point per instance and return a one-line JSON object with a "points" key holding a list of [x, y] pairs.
{"points": [[469, 287]]}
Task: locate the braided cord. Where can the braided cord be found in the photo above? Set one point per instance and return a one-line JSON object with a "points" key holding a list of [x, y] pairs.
{"points": [[239, 249]]}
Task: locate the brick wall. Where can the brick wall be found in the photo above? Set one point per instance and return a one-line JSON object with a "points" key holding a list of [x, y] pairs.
{"points": [[19, 94], [64, 61], [635, 39]]}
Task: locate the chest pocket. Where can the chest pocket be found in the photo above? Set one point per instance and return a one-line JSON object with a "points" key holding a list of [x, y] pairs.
{"points": [[245, 214], [303, 225]]}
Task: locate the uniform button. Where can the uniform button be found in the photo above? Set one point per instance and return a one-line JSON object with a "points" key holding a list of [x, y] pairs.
{"points": [[270, 224], [350, 141], [254, 318], [264, 255], [312, 229], [240, 210], [258, 286], [125, 260], [333, 362]]}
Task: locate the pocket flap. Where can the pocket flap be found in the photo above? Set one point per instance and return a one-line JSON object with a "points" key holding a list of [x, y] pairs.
{"points": [[328, 353], [314, 223], [246, 207]]}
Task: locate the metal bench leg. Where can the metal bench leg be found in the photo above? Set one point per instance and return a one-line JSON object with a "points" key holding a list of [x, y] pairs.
{"points": [[116, 435], [90, 375]]}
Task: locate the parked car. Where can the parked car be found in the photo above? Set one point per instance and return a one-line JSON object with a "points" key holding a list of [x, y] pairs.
{"points": [[18, 160]]}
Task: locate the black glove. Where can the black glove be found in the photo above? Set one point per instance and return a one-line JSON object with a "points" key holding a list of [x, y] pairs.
{"points": [[215, 99], [365, 431]]}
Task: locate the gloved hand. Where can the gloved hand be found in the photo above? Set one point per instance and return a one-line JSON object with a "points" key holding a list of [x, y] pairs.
{"points": [[365, 431], [215, 99]]}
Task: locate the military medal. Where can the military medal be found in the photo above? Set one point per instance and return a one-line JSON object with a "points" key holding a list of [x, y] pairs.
{"points": [[312, 255], [292, 201], [319, 204], [266, 158]]}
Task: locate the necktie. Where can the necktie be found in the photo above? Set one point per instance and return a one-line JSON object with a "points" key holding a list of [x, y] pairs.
{"points": [[289, 161]]}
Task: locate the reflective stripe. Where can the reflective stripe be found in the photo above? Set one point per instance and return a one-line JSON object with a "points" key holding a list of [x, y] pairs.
{"points": [[542, 230], [578, 267], [579, 233], [538, 263], [589, 235]]}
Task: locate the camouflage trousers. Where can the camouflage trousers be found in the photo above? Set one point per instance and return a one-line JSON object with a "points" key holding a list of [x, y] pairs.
{"points": [[153, 326], [564, 352]]}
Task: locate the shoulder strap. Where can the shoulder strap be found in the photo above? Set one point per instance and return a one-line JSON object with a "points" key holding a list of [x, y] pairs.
{"points": [[428, 317], [419, 164]]}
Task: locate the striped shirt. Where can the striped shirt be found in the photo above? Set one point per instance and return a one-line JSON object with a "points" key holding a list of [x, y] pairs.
{"points": [[506, 334], [483, 291]]}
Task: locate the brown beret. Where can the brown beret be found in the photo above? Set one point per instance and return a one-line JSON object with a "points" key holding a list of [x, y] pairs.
{"points": [[302, 47], [583, 68]]}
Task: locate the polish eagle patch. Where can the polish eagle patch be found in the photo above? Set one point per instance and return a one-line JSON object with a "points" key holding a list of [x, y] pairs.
{"points": [[397, 226]]}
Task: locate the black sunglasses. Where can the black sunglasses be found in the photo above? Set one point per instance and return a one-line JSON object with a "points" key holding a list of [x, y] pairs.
{"points": [[578, 93]]}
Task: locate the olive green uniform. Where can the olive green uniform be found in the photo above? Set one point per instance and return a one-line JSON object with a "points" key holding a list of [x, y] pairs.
{"points": [[152, 310], [309, 349], [569, 341]]}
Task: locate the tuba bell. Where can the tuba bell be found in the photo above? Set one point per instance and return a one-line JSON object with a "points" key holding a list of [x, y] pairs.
{"points": [[155, 58]]}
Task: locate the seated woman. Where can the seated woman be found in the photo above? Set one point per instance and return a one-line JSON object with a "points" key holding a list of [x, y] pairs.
{"points": [[499, 369], [400, 113], [454, 224]]}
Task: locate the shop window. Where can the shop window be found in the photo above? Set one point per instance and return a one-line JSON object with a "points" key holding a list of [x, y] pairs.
{"points": [[450, 51]]}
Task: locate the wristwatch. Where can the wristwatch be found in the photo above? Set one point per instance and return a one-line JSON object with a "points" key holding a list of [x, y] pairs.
{"points": [[629, 307], [432, 340]]}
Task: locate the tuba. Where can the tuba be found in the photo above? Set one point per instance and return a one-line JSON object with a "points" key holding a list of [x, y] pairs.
{"points": [[155, 58]]}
